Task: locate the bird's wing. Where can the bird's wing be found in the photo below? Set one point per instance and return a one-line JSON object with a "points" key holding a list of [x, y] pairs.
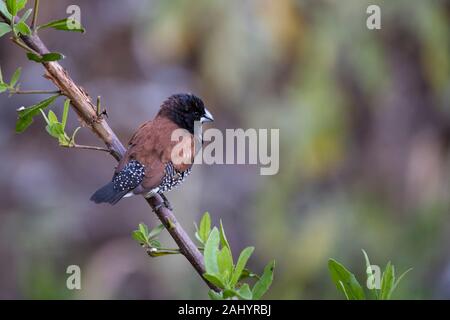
{"points": [[152, 146]]}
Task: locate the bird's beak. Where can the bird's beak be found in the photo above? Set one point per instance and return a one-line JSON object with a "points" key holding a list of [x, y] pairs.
{"points": [[207, 117]]}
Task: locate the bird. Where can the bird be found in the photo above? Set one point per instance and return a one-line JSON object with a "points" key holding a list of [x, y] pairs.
{"points": [[148, 167]]}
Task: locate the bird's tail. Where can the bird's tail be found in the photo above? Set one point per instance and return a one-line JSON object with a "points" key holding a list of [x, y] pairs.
{"points": [[108, 194]]}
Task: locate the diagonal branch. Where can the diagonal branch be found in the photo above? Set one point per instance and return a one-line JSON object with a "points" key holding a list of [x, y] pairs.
{"points": [[86, 111]]}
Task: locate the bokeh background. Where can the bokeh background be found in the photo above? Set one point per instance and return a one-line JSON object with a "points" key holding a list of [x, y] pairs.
{"points": [[364, 119]]}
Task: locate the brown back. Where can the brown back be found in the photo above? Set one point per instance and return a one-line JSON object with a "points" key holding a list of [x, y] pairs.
{"points": [[152, 146]]}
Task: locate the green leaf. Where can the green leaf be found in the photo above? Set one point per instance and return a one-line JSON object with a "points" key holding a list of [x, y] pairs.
{"points": [[72, 139], [205, 227], [26, 114], [20, 4], [67, 24], [23, 124], [198, 237], [63, 140], [139, 237], [196, 234], [214, 279], [225, 262], [229, 293], [56, 131], [1, 75], [263, 284], [65, 113], [244, 292], [369, 272], [159, 253], [55, 128], [52, 118], [156, 231], [53, 56], [210, 252], [215, 295], [240, 265], [3, 87], [12, 6], [399, 279], [4, 10], [155, 243], [246, 273], [15, 77], [34, 57], [4, 29], [143, 229], [45, 117], [341, 285], [345, 281], [387, 282], [23, 28], [223, 237]]}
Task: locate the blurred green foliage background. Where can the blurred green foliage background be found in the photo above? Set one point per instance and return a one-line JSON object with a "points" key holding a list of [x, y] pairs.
{"points": [[364, 119]]}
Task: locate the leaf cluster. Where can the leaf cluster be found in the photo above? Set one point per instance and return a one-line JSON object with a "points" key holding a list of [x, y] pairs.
{"points": [[347, 283], [223, 272], [13, 84], [11, 9]]}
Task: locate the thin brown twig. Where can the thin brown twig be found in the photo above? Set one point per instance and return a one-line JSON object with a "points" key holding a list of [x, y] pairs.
{"points": [[35, 92], [80, 146]]}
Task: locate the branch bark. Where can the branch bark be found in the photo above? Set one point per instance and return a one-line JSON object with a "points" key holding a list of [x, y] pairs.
{"points": [[86, 110]]}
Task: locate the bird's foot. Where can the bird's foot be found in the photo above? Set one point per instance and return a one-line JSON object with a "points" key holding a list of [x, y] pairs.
{"points": [[166, 202], [157, 207], [168, 205]]}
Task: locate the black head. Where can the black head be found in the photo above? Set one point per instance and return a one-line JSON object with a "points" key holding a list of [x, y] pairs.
{"points": [[184, 109]]}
